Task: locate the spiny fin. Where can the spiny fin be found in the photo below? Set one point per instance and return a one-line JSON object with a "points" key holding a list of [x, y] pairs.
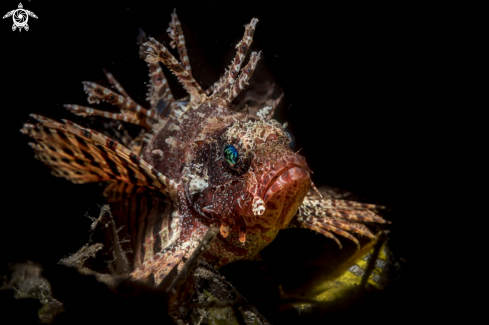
{"points": [[341, 217], [88, 111], [116, 84], [160, 265], [157, 52], [229, 77], [178, 40], [160, 96], [82, 155], [97, 93]]}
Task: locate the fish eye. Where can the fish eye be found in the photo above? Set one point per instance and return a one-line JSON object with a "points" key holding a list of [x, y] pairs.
{"points": [[230, 154], [232, 158], [291, 138]]}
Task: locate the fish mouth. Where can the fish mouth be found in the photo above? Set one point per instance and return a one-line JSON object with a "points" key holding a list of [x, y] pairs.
{"points": [[282, 191], [281, 169], [285, 195], [286, 175]]}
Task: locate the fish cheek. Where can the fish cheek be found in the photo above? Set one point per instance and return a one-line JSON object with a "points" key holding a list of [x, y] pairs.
{"points": [[207, 197], [218, 174]]}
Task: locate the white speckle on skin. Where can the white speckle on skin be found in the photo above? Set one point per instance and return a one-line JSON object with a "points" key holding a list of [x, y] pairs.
{"points": [[258, 206], [171, 141], [262, 113]]}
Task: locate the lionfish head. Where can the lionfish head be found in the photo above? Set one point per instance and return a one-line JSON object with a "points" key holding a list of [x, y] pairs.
{"points": [[246, 175]]}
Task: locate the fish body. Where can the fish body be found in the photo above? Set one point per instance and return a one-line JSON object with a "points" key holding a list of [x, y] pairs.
{"points": [[216, 164]]}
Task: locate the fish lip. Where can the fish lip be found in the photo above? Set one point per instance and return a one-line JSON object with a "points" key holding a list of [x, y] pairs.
{"points": [[281, 172], [295, 186]]}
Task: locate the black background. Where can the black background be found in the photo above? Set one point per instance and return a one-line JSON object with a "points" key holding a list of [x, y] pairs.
{"points": [[344, 72]]}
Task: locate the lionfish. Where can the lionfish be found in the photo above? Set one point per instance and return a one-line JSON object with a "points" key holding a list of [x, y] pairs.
{"points": [[216, 165]]}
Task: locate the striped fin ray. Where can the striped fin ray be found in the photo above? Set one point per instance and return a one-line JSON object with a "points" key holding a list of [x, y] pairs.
{"points": [[154, 229], [131, 112], [178, 40], [82, 155], [229, 77], [145, 216], [209, 90], [70, 156], [156, 52], [121, 191], [97, 93], [243, 78], [341, 217], [88, 111], [110, 77], [161, 264], [132, 160], [355, 205], [160, 96], [136, 145]]}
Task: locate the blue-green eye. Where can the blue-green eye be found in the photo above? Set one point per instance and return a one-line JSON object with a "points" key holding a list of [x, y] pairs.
{"points": [[291, 138], [236, 161], [230, 155]]}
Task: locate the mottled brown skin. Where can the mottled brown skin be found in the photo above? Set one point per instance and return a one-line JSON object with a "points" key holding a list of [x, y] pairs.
{"points": [[181, 155], [274, 173]]}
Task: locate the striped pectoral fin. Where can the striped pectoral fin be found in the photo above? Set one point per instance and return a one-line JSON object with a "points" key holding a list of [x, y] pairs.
{"points": [[69, 155], [122, 191], [161, 264], [344, 218], [82, 155]]}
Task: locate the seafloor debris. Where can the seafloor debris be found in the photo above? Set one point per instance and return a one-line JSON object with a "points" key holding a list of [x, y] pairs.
{"points": [[198, 294], [27, 283]]}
